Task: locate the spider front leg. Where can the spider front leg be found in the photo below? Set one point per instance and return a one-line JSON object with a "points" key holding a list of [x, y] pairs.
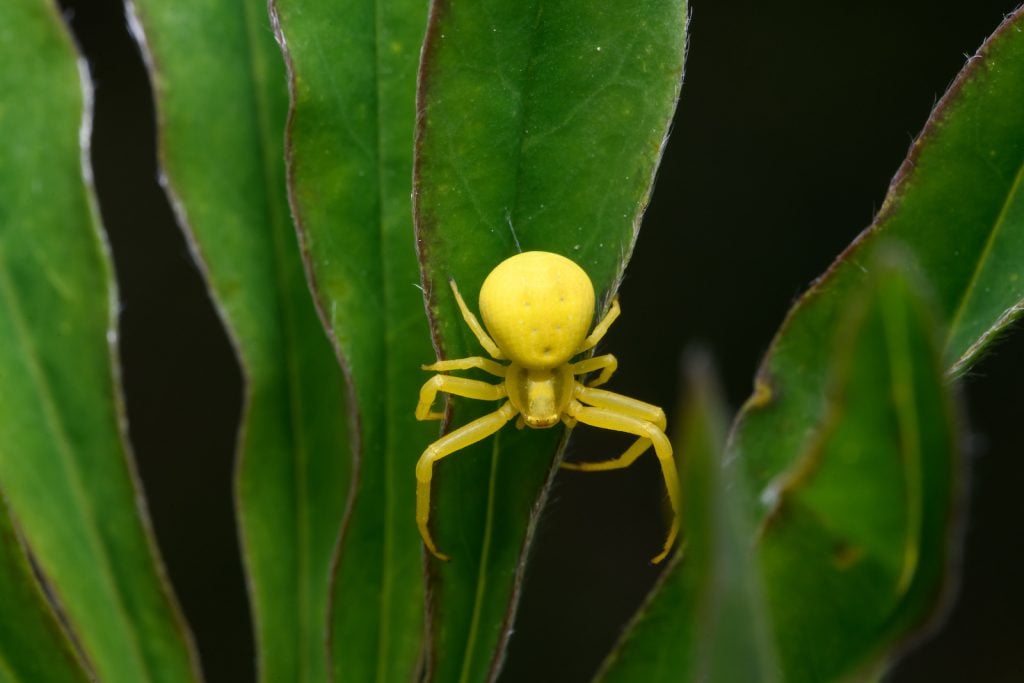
{"points": [[459, 386], [623, 419], [601, 328], [474, 325], [607, 364], [449, 443]]}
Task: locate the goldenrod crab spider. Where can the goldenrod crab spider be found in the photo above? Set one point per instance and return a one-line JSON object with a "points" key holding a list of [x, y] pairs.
{"points": [[538, 307]]}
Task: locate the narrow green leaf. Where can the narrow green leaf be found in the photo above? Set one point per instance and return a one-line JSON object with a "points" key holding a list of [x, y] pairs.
{"points": [[705, 619], [352, 79], [221, 93], [64, 464], [32, 645], [855, 548], [540, 127]]}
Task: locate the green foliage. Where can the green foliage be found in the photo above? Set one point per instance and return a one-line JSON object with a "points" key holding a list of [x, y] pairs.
{"points": [[853, 549], [227, 181], [954, 205], [848, 444], [352, 79], [331, 192], [65, 469], [855, 546], [706, 619], [32, 645]]}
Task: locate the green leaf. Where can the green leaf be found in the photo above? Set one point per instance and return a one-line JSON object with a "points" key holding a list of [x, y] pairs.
{"points": [[958, 201], [855, 548], [957, 206], [540, 127], [221, 94], [705, 619], [64, 463], [352, 79], [32, 645]]}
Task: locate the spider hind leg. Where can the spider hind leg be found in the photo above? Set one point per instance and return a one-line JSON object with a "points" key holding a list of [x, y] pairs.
{"points": [[624, 414]]}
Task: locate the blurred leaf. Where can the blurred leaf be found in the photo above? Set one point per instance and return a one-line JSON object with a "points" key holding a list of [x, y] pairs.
{"points": [[64, 465], [956, 206], [705, 619], [855, 549], [221, 93], [32, 645], [540, 127], [352, 78]]}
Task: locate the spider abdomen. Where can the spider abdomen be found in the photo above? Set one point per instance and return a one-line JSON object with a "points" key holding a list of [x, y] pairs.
{"points": [[538, 307]]}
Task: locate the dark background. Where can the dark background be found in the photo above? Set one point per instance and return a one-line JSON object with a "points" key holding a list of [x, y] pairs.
{"points": [[794, 116]]}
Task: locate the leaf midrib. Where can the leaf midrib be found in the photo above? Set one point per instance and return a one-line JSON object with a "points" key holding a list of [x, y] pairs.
{"points": [[482, 571], [524, 82], [972, 284]]}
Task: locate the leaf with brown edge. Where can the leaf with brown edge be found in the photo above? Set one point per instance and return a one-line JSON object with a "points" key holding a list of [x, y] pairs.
{"points": [[222, 98], [352, 80], [956, 206], [65, 464]]}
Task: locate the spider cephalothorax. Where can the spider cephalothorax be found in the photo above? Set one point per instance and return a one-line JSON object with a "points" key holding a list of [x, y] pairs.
{"points": [[538, 307]]}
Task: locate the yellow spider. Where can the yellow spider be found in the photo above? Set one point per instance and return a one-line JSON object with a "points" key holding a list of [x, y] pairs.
{"points": [[538, 307]]}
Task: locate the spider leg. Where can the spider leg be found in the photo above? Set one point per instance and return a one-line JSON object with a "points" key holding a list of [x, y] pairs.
{"points": [[620, 421], [621, 404], [485, 364], [449, 443], [621, 462], [474, 325], [607, 364], [459, 386], [601, 328]]}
